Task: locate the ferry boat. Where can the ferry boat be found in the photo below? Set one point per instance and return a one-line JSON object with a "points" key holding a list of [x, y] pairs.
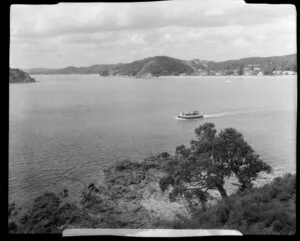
{"points": [[190, 115]]}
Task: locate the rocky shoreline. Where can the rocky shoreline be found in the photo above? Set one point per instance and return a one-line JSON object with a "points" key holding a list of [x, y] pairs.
{"points": [[130, 197]]}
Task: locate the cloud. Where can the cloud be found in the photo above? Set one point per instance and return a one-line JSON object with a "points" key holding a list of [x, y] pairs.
{"points": [[85, 34], [47, 20], [214, 12]]}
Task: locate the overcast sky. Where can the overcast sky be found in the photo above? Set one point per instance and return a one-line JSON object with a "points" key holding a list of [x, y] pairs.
{"points": [[83, 34]]}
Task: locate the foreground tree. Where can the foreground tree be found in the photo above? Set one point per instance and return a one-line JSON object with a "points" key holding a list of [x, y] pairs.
{"points": [[209, 160]]}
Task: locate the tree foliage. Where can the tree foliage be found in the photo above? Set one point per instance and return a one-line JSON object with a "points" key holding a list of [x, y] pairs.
{"points": [[266, 210], [209, 160]]}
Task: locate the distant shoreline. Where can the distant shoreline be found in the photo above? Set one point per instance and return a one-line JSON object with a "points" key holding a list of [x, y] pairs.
{"points": [[174, 76]]}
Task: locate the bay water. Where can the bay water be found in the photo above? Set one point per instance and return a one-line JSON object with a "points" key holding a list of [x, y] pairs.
{"points": [[65, 129]]}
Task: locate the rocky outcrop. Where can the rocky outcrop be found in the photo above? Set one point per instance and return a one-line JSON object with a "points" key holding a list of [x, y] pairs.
{"points": [[131, 197], [19, 76]]}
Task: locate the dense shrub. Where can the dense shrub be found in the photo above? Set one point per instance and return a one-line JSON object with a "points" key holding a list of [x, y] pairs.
{"points": [[266, 210], [165, 182], [126, 164], [49, 214], [158, 161], [165, 154]]}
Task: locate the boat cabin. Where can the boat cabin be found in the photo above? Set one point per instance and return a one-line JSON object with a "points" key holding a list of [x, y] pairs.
{"points": [[189, 113]]}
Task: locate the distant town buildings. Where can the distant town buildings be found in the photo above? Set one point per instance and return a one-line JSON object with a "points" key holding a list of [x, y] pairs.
{"points": [[248, 70], [287, 72]]}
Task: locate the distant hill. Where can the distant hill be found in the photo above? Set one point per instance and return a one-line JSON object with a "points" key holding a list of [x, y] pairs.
{"points": [[197, 64], [94, 69], [164, 65], [265, 64], [155, 66], [19, 76]]}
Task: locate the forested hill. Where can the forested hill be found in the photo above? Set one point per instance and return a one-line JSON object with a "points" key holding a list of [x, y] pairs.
{"points": [[164, 65], [156, 66], [266, 64]]}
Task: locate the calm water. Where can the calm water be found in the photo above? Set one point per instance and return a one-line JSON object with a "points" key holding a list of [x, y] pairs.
{"points": [[64, 130]]}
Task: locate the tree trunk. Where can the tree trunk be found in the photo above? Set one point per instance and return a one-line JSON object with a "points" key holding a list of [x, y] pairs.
{"points": [[222, 191]]}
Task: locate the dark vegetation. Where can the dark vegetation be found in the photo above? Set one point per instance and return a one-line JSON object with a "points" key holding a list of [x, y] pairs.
{"points": [[19, 76], [190, 175], [209, 160], [48, 214], [163, 65], [266, 210]]}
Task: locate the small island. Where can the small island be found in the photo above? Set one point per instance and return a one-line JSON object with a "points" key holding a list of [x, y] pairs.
{"points": [[19, 76]]}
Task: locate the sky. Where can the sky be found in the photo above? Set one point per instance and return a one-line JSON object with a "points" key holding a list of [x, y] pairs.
{"points": [[84, 34]]}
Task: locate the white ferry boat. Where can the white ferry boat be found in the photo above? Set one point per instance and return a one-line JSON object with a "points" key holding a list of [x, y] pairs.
{"points": [[190, 115]]}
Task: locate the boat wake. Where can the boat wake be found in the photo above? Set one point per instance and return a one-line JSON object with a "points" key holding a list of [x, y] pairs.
{"points": [[234, 113], [217, 115], [228, 114]]}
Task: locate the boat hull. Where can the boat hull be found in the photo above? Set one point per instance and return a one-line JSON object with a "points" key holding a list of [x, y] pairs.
{"points": [[190, 117]]}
